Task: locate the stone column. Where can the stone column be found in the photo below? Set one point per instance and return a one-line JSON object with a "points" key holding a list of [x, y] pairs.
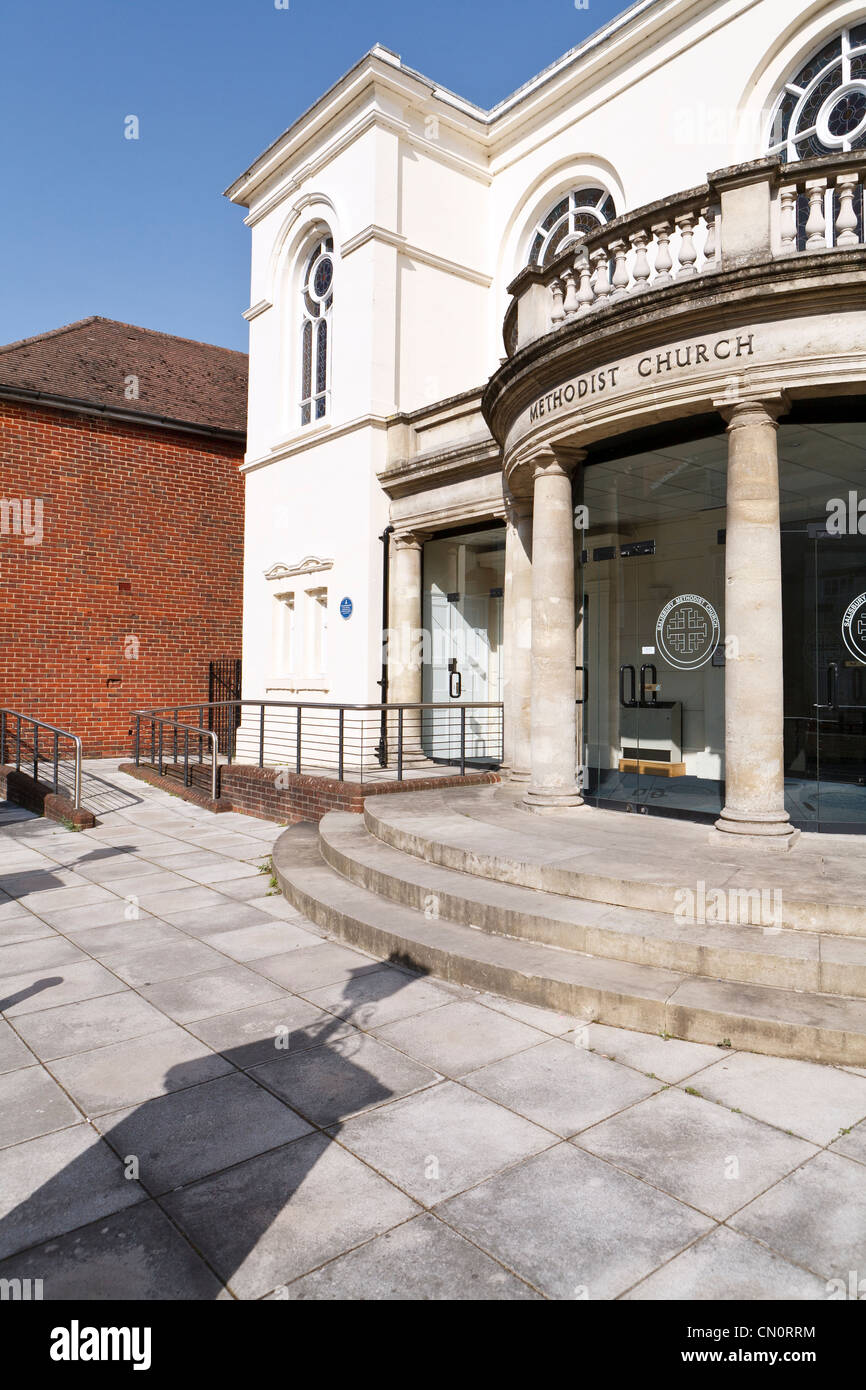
{"points": [[754, 691], [406, 645], [554, 744], [518, 628]]}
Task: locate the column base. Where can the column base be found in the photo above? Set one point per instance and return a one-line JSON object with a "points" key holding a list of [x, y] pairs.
{"points": [[771, 832], [542, 801]]}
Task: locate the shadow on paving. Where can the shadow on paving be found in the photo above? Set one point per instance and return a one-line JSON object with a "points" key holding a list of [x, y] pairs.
{"points": [[263, 1122]]}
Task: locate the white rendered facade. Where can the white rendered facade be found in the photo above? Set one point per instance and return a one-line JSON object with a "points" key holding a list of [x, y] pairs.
{"points": [[432, 207]]}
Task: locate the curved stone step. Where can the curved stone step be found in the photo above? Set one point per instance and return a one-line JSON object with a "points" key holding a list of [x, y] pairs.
{"points": [[753, 1017], [780, 958], [486, 837]]}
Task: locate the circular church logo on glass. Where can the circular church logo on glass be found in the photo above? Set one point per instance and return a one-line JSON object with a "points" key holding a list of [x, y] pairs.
{"points": [[688, 631], [854, 628]]}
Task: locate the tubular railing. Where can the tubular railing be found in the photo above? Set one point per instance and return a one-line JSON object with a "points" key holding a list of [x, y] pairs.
{"points": [[34, 755], [361, 743]]}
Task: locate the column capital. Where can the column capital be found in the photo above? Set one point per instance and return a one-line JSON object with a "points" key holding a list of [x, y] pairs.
{"points": [[556, 458], [409, 540], [518, 505], [763, 409]]}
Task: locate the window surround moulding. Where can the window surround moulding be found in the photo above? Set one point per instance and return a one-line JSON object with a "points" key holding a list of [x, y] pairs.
{"points": [[311, 564]]}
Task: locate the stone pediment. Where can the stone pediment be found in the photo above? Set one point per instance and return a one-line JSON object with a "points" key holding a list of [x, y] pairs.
{"points": [[311, 564]]}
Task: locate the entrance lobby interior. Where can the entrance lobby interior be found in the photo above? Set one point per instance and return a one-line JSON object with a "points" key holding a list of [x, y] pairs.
{"points": [[650, 604]]}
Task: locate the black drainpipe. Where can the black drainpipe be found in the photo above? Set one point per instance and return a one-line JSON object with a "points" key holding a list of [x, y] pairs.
{"points": [[385, 538]]}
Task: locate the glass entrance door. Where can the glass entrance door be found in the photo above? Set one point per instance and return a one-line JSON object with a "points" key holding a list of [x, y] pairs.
{"points": [[464, 578], [824, 606], [651, 589]]}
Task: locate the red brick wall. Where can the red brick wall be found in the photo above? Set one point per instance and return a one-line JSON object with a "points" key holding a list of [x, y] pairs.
{"points": [[123, 505], [254, 790]]}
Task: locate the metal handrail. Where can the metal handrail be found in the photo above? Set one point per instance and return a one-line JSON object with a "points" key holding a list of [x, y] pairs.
{"points": [[153, 718], [58, 733], [167, 717]]}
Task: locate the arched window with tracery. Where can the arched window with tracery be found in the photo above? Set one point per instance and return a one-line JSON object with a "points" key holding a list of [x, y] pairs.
{"points": [[317, 300], [822, 109], [582, 210]]}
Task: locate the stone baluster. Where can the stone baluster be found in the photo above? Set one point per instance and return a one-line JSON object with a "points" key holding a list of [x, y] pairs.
{"points": [[664, 259], [788, 220], [557, 313], [688, 252], [585, 295], [816, 227], [601, 281], [846, 222], [711, 244], [642, 269], [572, 303], [621, 275]]}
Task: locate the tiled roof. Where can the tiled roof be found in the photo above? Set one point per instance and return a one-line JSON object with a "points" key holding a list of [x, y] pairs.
{"points": [[91, 361]]}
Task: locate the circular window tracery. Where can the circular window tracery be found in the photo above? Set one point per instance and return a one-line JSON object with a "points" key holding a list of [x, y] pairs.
{"points": [[582, 210], [822, 110]]}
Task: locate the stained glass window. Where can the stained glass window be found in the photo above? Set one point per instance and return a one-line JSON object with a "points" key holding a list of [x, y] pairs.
{"points": [[317, 294], [822, 110], [583, 210]]}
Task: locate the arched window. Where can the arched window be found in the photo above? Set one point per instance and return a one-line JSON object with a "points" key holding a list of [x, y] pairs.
{"points": [[822, 110], [317, 297], [583, 210]]}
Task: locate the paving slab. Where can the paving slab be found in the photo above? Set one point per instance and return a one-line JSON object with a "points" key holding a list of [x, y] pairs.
{"points": [[276, 1217], [115, 940], [372, 1000], [212, 992], [87, 1024], [547, 1020], [573, 1226], [724, 1266], [313, 967], [55, 1183], [139, 1069], [815, 1218], [697, 1151], [221, 915], [32, 1104], [459, 1037], [441, 1141], [813, 1101], [342, 1077], [22, 926], [166, 960], [46, 953], [670, 1059], [249, 1037], [560, 1086], [35, 990], [135, 1255], [852, 1143], [267, 938], [422, 1260], [13, 1052], [190, 1133]]}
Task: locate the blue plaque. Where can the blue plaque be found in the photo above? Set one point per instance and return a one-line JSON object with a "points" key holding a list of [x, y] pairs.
{"points": [[346, 607]]}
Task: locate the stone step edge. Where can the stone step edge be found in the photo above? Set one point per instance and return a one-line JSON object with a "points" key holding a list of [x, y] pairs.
{"points": [[778, 1022], [798, 914], [745, 963]]}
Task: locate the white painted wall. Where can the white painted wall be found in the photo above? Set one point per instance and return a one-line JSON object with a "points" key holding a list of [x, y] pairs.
{"points": [[430, 202]]}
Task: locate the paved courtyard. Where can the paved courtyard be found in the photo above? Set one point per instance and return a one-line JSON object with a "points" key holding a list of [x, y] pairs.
{"points": [[203, 1096]]}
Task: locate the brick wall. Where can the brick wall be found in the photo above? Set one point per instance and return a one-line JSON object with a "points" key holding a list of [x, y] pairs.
{"points": [[254, 790], [143, 539]]}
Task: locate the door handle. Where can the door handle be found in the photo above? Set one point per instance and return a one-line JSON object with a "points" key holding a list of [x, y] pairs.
{"points": [[631, 702], [652, 687], [455, 680], [584, 671]]}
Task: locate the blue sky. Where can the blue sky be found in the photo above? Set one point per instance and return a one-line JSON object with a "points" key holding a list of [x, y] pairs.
{"points": [[138, 230]]}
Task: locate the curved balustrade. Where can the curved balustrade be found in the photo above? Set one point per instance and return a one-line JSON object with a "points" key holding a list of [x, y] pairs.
{"points": [[763, 210]]}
